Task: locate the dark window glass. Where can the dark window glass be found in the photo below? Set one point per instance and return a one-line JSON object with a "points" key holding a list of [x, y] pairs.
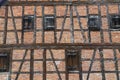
{"points": [[94, 23], [28, 22], [4, 62], [49, 22], [72, 60], [3, 2], [115, 22]]}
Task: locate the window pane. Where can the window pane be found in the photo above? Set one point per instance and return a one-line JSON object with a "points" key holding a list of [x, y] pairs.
{"points": [[28, 22], [49, 22]]}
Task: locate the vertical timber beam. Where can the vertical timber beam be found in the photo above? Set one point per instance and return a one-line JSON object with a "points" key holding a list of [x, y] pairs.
{"points": [[87, 11], [44, 64], [22, 34], [101, 31], [80, 65], [10, 66], [71, 24], [34, 37], [43, 32], [102, 64], [5, 26], [66, 70], [55, 32], [32, 65]]}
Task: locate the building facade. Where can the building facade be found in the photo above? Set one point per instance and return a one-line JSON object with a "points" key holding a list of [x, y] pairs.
{"points": [[60, 40]]}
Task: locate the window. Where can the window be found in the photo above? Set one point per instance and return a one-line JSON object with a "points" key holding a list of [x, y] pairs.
{"points": [[94, 22], [49, 22], [3, 2], [28, 22], [72, 60], [4, 61], [115, 21]]}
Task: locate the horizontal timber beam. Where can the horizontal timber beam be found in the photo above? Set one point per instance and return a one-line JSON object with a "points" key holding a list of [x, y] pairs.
{"points": [[61, 46], [47, 3]]}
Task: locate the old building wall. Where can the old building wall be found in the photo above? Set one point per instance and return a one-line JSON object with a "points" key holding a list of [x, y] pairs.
{"points": [[17, 55]]}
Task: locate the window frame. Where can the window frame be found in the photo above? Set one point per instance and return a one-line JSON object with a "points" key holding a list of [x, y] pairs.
{"points": [[112, 26], [96, 20], [9, 57], [45, 27], [76, 58], [27, 17]]}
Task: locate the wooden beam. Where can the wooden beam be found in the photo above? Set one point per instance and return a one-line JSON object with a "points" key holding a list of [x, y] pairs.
{"points": [[44, 64], [49, 3], [32, 64], [61, 46]]}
